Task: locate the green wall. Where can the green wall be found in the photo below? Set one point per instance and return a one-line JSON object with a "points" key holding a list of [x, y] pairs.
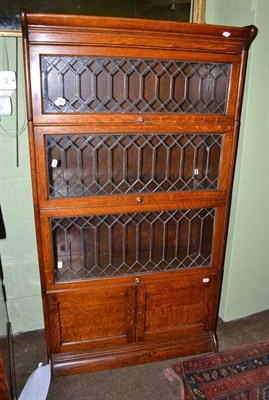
{"points": [[18, 250], [246, 280]]}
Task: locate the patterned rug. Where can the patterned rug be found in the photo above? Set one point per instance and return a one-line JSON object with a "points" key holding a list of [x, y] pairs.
{"points": [[238, 374]]}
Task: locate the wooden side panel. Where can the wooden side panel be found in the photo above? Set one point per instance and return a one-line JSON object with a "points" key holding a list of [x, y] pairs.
{"points": [[167, 310], [92, 319]]}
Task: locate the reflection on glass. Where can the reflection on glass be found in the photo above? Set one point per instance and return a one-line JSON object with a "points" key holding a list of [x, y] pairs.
{"points": [[125, 244]]}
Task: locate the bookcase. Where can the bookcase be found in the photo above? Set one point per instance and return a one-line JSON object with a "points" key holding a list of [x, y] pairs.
{"points": [[133, 128]]}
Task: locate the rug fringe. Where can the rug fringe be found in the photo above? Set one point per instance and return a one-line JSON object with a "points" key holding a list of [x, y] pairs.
{"points": [[182, 389], [170, 374]]}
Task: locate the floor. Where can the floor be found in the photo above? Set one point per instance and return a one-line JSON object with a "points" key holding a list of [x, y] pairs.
{"points": [[143, 382]]}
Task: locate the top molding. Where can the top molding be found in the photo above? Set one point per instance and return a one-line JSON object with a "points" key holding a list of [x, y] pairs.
{"points": [[107, 31]]}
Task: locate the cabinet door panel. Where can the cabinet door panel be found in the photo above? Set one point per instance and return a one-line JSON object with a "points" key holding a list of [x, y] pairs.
{"points": [[88, 247], [75, 84], [92, 319], [170, 309], [97, 165]]}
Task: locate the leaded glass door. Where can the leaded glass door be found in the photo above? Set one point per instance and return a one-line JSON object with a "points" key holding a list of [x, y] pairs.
{"points": [[126, 85], [119, 245], [96, 165]]}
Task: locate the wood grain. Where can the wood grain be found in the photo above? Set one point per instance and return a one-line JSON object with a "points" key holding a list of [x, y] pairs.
{"points": [[98, 323]]}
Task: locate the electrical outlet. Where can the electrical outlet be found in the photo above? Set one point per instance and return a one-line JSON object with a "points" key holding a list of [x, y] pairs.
{"points": [[7, 87], [5, 106], [7, 80]]}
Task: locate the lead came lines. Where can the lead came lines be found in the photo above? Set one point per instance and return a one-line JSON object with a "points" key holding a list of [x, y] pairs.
{"points": [[104, 255], [95, 82], [64, 182]]}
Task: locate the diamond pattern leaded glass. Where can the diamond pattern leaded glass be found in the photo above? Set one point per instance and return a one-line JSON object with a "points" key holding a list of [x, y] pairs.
{"points": [[121, 85], [116, 245], [87, 165]]}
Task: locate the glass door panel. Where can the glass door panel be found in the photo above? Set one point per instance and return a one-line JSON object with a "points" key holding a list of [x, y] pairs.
{"points": [[125, 85], [124, 244], [90, 165]]}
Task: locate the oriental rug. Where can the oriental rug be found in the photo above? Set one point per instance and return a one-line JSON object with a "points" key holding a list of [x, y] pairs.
{"points": [[237, 374]]}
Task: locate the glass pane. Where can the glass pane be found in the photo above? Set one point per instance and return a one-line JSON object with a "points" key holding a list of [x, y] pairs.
{"points": [[119, 85], [89, 165], [124, 244]]}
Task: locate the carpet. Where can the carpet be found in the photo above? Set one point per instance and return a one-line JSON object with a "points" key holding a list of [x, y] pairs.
{"points": [[237, 374]]}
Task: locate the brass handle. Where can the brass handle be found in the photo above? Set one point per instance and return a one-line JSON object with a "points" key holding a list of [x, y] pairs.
{"points": [[141, 120], [139, 200], [137, 280]]}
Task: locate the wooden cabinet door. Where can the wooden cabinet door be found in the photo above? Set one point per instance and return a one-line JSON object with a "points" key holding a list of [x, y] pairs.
{"points": [[176, 308], [94, 318]]}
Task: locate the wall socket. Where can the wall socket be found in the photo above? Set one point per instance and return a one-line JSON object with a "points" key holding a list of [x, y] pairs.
{"points": [[7, 80], [5, 106], [7, 87]]}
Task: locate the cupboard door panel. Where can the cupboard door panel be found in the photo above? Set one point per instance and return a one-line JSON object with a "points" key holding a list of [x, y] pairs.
{"points": [[92, 319], [178, 308]]}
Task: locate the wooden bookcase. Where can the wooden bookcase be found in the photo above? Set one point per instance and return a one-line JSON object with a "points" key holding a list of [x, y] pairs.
{"points": [[133, 128]]}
